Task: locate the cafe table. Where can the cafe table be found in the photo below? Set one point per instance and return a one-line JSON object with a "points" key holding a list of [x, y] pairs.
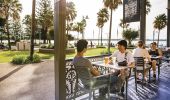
{"points": [[108, 67]]}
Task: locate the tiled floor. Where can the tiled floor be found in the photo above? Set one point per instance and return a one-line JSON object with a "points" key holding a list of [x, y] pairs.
{"points": [[159, 90]]}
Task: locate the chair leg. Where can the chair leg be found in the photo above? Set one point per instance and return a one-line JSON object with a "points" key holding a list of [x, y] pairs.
{"points": [[93, 94], [158, 70], [143, 79], [90, 95], [126, 87], [149, 75], [76, 89], [108, 92], [135, 80]]}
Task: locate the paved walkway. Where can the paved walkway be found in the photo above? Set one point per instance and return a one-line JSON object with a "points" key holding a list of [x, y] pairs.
{"points": [[36, 82], [27, 82]]}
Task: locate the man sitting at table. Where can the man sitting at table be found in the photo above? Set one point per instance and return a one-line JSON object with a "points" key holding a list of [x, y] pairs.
{"points": [[140, 51], [80, 60], [154, 52], [121, 55]]}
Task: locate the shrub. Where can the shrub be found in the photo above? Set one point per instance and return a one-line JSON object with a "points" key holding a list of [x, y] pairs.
{"points": [[47, 46], [131, 46], [27, 60], [18, 59], [43, 46], [21, 59], [36, 58], [100, 46], [50, 46]]}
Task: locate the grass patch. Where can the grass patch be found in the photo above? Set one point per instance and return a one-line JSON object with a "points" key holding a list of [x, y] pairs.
{"points": [[92, 52], [6, 56]]}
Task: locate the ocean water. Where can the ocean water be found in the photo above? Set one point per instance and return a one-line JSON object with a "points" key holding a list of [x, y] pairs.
{"points": [[162, 42]]}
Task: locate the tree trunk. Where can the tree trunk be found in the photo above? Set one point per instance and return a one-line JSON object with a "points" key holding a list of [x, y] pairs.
{"points": [[98, 36], [110, 31], [44, 40], [129, 42], [78, 36], [1, 37], [67, 26], [33, 30], [101, 36], [9, 43], [49, 40], [158, 38], [82, 35], [45, 35]]}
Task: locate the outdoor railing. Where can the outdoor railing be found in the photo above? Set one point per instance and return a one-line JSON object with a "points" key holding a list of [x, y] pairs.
{"points": [[71, 78]]}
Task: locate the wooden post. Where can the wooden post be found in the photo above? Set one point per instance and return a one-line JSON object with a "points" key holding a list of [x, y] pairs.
{"points": [[143, 20], [59, 49], [168, 24]]}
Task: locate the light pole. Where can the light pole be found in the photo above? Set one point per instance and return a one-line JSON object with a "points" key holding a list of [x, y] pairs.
{"points": [[153, 35]]}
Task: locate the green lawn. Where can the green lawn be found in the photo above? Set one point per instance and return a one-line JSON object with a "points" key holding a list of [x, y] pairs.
{"points": [[6, 56], [92, 52]]}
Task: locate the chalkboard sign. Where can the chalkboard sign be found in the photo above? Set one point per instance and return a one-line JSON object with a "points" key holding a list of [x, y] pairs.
{"points": [[131, 10]]}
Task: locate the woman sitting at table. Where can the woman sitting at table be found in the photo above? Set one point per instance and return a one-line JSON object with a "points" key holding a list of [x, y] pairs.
{"points": [[140, 51], [154, 52], [80, 60], [123, 55]]}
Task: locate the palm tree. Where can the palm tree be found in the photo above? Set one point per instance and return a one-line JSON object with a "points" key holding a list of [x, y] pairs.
{"points": [[102, 18], [69, 27], [130, 35], [27, 22], [44, 14], [159, 23], [112, 5], [123, 24], [148, 6], [79, 28], [71, 14], [10, 8]]}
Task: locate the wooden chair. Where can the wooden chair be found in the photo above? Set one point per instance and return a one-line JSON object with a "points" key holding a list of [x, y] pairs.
{"points": [[90, 83], [140, 67]]}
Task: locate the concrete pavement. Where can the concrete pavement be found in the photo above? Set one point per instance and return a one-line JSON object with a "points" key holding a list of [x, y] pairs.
{"points": [[27, 82]]}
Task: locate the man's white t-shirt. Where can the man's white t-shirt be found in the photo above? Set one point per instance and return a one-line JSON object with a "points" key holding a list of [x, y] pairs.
{"points": [[121, 56]]}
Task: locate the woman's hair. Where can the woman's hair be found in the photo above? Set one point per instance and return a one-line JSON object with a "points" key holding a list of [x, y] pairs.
{"points": [[140, 43], [81, 45]]}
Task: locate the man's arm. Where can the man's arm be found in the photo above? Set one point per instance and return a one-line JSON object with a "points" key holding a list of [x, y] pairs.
{"points": [[93, 71]]}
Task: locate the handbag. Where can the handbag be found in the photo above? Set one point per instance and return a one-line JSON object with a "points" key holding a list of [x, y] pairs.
{"points": [[123, 63]]}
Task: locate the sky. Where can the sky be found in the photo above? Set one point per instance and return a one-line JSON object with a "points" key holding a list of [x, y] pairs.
{"points": [[91, 7]]}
